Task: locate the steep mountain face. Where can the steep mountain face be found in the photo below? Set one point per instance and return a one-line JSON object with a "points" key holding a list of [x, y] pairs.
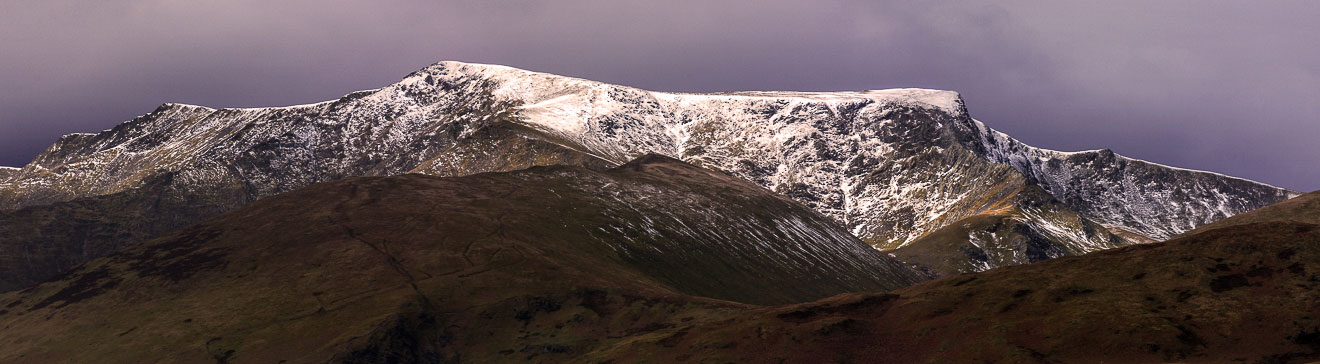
{"points": [[1244, 292], [542, 264], [892, 166]]}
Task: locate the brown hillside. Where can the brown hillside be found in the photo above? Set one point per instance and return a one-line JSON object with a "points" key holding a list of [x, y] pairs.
{"points": [[544, 264]]}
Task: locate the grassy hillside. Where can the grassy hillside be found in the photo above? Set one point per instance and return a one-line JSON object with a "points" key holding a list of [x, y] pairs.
{"points": [[544, 264]]}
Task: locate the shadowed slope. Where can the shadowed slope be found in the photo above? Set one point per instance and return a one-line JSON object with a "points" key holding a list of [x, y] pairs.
{"points": [[541, 264], [37, 243]]}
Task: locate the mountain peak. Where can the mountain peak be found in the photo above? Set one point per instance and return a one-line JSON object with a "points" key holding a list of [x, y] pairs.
{"points": [[950, 102], [179, 105]]}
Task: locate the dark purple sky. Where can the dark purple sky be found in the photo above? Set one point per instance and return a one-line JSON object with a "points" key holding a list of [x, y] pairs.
{"points": [[1227, 86]]}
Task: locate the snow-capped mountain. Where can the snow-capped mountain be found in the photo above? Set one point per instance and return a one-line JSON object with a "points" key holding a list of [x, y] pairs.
{"points": [[892, 166]]}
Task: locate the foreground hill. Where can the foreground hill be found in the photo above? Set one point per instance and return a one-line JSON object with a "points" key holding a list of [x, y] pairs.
{"points": [[1247, 292], [1303, 209], [892, 166], [543, 264]]}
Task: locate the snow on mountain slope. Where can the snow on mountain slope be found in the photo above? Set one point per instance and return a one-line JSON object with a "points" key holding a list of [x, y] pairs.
{"points": [[1153, 200], [890, 165], [1028, 226], [881, 161], [7, 172], [816, 147]]}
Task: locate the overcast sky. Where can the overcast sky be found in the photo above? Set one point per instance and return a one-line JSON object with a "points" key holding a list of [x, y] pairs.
{"points": [[1227, 86]]}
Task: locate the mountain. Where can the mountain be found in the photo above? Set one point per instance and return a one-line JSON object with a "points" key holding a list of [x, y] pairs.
{"points": [[893, 166], [1243, 292], [556, 260]]}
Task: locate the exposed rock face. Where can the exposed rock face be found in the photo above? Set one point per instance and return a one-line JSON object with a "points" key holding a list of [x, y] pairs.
{"points": [[890, 165]]}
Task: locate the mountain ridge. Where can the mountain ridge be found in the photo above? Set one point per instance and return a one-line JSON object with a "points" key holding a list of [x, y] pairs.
{"points": [[748, 93], [892, 166]]}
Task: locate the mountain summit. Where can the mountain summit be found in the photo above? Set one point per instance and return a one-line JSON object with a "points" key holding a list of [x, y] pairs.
{"points": [[904, 169]]}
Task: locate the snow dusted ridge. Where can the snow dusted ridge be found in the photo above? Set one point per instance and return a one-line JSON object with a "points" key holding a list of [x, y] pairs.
{"points": [[890, 165]]}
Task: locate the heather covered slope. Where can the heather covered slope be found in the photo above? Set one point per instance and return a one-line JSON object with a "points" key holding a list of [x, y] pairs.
{"points": [[1245, 292], [542, 264]]}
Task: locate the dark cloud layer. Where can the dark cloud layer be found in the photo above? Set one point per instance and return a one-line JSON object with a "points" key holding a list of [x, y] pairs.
{"points": [[1228, 86]]}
